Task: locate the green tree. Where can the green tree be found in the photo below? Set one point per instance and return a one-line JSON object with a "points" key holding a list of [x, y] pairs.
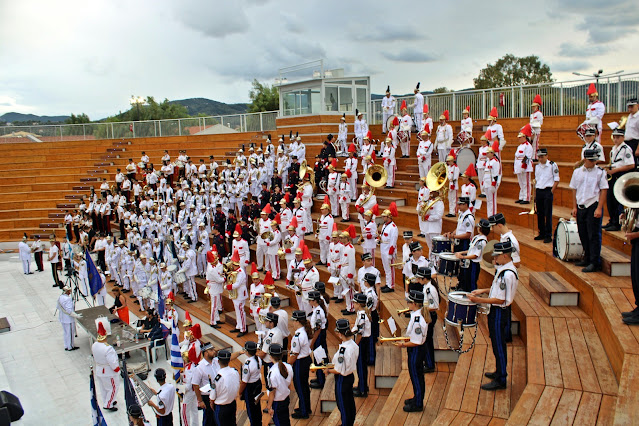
{"points": [[513, 71], [442, 90], [263, 97], [77, 119]]}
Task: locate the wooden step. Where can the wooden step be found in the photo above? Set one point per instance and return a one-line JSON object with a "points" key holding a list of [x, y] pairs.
{"points": [[103, 163], [57, 215], [118, 149], [217, 343], [67, 205], [230, 318], [99, 171], [90, 179], [328, 402], [388, 366], [553, 289], [82, 188], [51, 225], [614, 262], [74, 196]]}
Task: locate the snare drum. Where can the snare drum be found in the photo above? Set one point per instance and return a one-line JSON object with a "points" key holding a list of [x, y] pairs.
{"points": [[179, 277], [441, 244], [448, 265], [461, 310], [171, 268], [567, 242]]}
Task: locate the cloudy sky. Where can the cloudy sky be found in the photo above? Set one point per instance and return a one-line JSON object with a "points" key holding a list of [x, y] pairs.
{"points": [[59, 57]]}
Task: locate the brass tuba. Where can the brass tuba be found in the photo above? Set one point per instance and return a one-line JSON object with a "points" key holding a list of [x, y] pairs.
{"points": [[626, 191], [436, 180], [487, 254], [376, 177], [265, 302]]}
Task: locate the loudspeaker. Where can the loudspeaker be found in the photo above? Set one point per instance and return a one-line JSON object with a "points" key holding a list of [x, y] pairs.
{"points": [[12, 404]]}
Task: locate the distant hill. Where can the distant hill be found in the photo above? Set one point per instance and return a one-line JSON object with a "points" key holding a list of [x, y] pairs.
{"points": [[196, 106], [11, 117]]}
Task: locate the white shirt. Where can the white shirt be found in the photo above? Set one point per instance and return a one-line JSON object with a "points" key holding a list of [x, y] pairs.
{"points": [[431, 295], [465, 223], [476, 247], [166, 395], [536, 120], [546, 174], [345, 359], [282, 322], [588, 183], [417, 328], [509, 236], [278, 383], [621, 155], [251, 369], [226, 386], [205, 373], [53, 253], [362, 324], [273, 335], [419, 103], [106, 360], [593, 145], [388, 104], [444, 137], [504, 284], [632, 127], [300, 344]]}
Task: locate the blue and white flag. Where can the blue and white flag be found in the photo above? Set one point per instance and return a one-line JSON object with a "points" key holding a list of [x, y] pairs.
{"points": [[96, 412], [176, 356], [95, 281]]}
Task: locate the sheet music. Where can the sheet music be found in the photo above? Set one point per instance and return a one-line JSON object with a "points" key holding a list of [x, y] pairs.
{"points": [[391, 325], [319, 354]]}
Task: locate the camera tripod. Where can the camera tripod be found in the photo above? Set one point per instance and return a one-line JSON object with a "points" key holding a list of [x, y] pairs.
{"points": [[72, 282]]}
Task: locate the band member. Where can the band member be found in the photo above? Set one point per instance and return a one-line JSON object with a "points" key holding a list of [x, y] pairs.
{"points": [[423, 197], [188, 410], [444, 139], [546, 181], [344, 365], [166, 398], [470, 258], [595, 110], [403, 133], [427, 120], [431, 302], [325, 228], [453, 177], [319, 323], [367, 268], [416, 332], [272, 247], [107, 369], [282, 318], [224, 390], [300, 214], [295, 273], [364, 202], [272, 336], [242, 294], [347, 269], [241, 246], [622, 160], [350, 168], [469, 187], [496, 130], [291, 243], [360, 127], [418, 108], [342, 134], [424, 152], [590, 142], [251, 384], [203, 375], [309, 278], [465, 226], [388, 243], [500, 296], [368, 239], [388, 108], [536, 121], [631, 136], [332, 187], [390, 163], [264, 227], [498, 224], [467, 122], [256, 291], [344, 197], [590, 186], [300, 360], [367, 153], [482, 159], [523, 163], [411, 266], [362, 331], [334, 259], [279, 381], [492, 179], [432, 220]]}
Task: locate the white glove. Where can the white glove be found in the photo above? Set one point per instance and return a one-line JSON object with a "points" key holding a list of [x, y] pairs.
{"points": [[75, 315]]}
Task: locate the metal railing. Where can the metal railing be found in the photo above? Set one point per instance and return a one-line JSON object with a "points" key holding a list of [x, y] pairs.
{"points": [[559, 98], [253, 122]]}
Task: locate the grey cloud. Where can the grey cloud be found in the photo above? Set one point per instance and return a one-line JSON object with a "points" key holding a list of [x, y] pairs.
{"points": [[212, 19], [393, 34], [409, 56], [603, 23], [572, 50], [569, 65]]}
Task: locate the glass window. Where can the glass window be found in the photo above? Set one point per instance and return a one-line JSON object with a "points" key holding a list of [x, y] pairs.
{"points": [[289, 103], [361, 82], [361, 98], [345, 99], [330, 98], [315, 101]]}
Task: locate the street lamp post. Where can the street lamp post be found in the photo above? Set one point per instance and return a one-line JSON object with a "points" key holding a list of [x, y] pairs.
{"points": [[137, 101], [597, 75]]}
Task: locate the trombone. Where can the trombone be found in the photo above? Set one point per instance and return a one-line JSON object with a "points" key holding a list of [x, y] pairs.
{"points": [[321, 367], [394, 339]]}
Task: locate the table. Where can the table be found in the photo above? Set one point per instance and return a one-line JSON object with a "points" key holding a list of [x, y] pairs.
{"points": [[87, 322]]}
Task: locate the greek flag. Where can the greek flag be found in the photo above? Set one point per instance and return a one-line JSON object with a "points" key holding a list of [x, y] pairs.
{"points": [[160, 301], [176, 356], [96, 413], [95, 282]]}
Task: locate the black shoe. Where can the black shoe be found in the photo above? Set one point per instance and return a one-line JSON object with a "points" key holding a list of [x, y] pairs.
{"points": [[518, 201], [345, 220], [539, 237], [632, 320], [547, 240], [632, 313], [421, 235], [137, 302], [334, 298], [241, 334], [316, 386], [450, 215], [220, 322], [75, 348], [407, 314], [348, 312], [132, 296], [358, 394], [387, 289], [614, 228], [608, 225], [494, 385], [299, 415], [111, 409], [339, 301], [590, 268], [582, 263], [320, 263], [482, 195], [429, 370], [492, 375], [235, 330], [408, 401], [55, 285], [410, 408], [525, 202], [315, 381], [216, 326]]}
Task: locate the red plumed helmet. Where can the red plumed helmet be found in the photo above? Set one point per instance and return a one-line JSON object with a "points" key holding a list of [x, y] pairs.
{"points": [[425, 108], [470, 171], [495, 146], [395, 121], [277, 219], [488, 135], [351, 231], [210, 256], [403, 104], [236, 256], [446, 115], [306, 254], [334, 227], [334, 162], [493, 112], [267, 209], [453, 154], [293, 222], [196, 331], [351, 148], [369, 135], [187, 317], [374, 155], [526, 131], [287, 197], [327, 200], [537, 100], [375, 210], [101, 330], [193, 354], [253, 268], [349, 173], [427, 128], [592, 90], [393, 209], [268, 279], [238, 228]]}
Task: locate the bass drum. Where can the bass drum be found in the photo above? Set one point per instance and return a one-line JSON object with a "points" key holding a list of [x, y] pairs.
{"points": [[567, 242], [465, 157], [389, 121]]}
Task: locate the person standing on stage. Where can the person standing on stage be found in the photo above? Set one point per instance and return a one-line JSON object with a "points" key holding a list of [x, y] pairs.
{"points": [[496, 129], [416, 331], [344, 197], [390, 163], [546, 181], [279, 380], [388, 244], [523, 164], [350, 168], [590, 142], [500, 296], [242, 294], [622, 160], [360, 127], [444, 139], [388, 109], [224, 390], [492, 179], [482, 159], [107, 369], [344, 365], [465, 226], [324, 232], [418, 108], [467, 122], [369, 235], [54, 260], [67, 317], [589, 187], [536, 121], [319, 322], [342, 134], [405, 126], [251, 384], [362, 331], [203, 375], [36, 248], [595, 110], [632, 236], [470, 258], [431, 302], [300, 360], [424, 152], [631, 136], [166, 398]]}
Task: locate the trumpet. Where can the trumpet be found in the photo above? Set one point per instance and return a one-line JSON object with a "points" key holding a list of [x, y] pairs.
{"points": [[397, 264], [321, 367], [394, 339], [403, 311]]}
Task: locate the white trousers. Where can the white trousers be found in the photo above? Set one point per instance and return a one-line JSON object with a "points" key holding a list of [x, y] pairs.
{"points": [[342, 144], [216, 307], [405, 146], [324, 246], [480, 177], [389, 271], [334, 204], [352, 181], [190, 284], [491, 200], [418, 120], [273, 265], [390, 170], [68, 331], [429, 242], [452, 201], [422, 224], [260, 253], [100, 296], [108, 388], [201, 261], [345, 207], [337, 288], [348, 283], [385, 117], [524, 185], [26, 264], [424, 167], [442, 153], [240, 315], [189, 409]]}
